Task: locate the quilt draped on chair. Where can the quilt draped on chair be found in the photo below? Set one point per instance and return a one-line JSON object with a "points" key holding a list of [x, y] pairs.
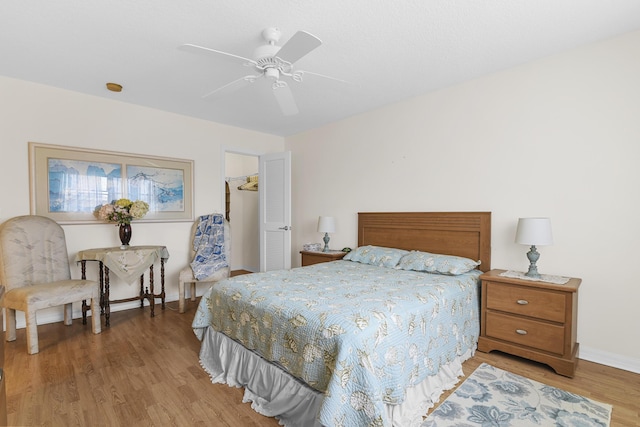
{"points": [[208, 244]]}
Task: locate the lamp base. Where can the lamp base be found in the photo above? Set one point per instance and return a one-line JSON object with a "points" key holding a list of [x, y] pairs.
{"points": [[533, 256], [326, 242], [533, 273]]}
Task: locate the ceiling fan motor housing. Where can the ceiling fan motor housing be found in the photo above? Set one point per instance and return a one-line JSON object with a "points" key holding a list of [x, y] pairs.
{"points": [[266, 61], [265, 51]]}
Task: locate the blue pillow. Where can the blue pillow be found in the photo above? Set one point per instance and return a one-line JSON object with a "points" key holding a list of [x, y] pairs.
{"points": [[376, 255], [435, 263]]}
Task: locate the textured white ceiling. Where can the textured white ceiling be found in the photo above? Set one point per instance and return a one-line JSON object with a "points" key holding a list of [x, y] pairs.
{"points": [[389, 49]]}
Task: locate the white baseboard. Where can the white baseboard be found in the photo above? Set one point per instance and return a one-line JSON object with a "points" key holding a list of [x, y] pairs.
{"points": [[610, 359]]}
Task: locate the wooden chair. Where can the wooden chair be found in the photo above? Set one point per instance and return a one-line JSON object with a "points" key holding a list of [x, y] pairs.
{"points": [[186, 274], [34, 268]]}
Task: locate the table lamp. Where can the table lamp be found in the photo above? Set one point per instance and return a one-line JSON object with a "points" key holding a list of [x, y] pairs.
{"points": [[534, 231], [326, 225]]}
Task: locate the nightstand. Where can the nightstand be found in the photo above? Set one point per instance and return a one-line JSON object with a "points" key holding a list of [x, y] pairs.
{"points": [[530, 319], [314, 257]]}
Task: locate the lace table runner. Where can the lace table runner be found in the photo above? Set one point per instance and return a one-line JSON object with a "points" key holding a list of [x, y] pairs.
{"points": [[128, 264], [558, 280]]}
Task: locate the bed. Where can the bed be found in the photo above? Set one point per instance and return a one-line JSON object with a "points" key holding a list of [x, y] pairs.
{"points": [[353, 342]]}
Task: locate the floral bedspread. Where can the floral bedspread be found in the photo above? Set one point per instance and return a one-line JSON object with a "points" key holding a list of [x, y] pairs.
{"points": [[359, 333]]}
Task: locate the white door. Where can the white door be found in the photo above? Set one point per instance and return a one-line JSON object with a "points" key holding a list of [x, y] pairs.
{"points": [[275, 211]]}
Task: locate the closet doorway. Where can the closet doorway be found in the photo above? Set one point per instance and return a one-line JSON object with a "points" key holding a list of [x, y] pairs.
{"points": [[242, 201]]}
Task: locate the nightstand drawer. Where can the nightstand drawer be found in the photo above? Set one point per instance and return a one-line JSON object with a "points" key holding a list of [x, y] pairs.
{"points": [[540, 304], [312, 257], [539, 335]]}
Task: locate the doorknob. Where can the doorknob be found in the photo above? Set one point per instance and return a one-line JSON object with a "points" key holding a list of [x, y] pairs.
{"points": [[285, 228]]}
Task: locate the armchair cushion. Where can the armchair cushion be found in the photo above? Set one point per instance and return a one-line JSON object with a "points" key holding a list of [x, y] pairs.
{"points": [[186, 275], [37, 297]]}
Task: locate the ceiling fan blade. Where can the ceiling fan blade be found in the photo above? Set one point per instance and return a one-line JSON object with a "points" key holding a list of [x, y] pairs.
{"points": [[192, 48], [298, 46], [285, 100], [231, 87], [303, 73]]}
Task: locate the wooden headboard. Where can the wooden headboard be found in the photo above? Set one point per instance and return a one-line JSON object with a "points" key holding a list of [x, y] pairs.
{"points": [[466, 234]]}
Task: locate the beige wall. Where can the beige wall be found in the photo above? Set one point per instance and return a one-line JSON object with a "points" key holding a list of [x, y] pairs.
{"points": [[559, 137], [32, 112]]}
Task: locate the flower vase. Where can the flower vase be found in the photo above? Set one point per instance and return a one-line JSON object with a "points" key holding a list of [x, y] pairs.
{"points": [[124, 232]]}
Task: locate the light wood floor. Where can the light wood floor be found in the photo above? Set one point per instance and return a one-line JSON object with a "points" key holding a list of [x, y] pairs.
{"points": [[144, 371]]}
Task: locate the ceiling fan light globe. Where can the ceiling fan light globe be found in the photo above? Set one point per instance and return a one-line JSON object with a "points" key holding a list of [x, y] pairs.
{"points": [[272, 73]]}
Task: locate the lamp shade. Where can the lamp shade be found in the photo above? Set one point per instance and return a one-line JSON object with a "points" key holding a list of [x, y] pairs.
{"points": [[326, 224], [534, 231]]}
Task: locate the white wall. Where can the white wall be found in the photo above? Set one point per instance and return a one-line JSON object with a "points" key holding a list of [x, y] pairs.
{"points": [[559, 137], [32, 112]]}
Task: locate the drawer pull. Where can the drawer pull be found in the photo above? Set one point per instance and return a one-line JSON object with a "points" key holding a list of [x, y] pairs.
{"points": [[522, 302], [521, 332]]}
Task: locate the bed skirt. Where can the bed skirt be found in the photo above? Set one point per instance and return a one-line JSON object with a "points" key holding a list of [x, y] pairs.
{"points": [[275, 393]]}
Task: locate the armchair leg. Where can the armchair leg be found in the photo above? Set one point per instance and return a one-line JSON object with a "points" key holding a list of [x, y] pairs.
{"points": [[95, 316], [11, 324], [68, 314], [32, 332], [193, 291], [180, 296]]}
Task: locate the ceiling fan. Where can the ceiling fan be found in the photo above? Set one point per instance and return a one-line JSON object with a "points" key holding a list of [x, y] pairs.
{"points": [[269, 61]]}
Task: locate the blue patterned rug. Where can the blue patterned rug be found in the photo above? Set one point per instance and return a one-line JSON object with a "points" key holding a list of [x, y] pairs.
{"points": [[493, 397]]}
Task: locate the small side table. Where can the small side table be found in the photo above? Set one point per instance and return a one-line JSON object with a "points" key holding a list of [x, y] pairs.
{"points": [[128, 264], [531, 319], [316, 257]]}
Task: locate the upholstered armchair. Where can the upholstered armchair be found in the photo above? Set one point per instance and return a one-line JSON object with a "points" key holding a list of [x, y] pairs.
{"points": [[187, 276], [34, 268]]}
